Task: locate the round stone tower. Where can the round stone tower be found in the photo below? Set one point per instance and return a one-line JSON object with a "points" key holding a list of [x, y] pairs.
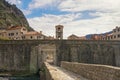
{"points": [[59, 32]]}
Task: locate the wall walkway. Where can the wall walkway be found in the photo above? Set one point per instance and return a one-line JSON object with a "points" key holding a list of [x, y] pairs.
{"points": [[57, 73]]}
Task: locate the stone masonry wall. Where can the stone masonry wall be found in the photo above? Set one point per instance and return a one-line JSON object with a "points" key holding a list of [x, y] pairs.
{"points": [[94, 52], [25, 55], [93, 72], [14, 57], [18, 56]]}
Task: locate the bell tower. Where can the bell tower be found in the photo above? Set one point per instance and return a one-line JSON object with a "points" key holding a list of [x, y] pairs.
{"points": [[59, 32]]}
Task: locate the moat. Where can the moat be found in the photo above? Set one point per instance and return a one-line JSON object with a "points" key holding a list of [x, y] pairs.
{"points": [[21, 78]]}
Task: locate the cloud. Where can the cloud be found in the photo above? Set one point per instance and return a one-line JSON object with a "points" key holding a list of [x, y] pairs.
{"points": [[17, 2], [74, 25], [27, 12], [106, 15], [40, 3], [47, 22], [83, 5]]}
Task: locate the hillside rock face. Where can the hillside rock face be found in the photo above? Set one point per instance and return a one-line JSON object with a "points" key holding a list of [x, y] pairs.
{"points": [[11, 15]]}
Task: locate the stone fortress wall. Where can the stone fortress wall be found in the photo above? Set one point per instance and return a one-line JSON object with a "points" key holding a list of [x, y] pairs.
{"points": [[92, 71], [26, 55], [93, 52]]}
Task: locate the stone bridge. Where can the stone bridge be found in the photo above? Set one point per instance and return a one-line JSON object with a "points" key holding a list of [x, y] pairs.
{"points": [[29, 55]]}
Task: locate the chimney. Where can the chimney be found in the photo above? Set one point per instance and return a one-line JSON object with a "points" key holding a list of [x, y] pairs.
{"points": [[40, 32], [116, 26]]}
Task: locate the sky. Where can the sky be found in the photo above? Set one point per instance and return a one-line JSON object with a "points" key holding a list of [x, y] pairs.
{"points": [[79, 17]]}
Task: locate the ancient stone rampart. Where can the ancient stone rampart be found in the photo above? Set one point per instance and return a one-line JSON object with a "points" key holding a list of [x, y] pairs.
{"points": [[28, 54], [94, 52], [92, 71], [18, 56]]}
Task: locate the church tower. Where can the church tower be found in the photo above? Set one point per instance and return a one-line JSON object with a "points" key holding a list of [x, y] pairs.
{"points": [[59, 32]]}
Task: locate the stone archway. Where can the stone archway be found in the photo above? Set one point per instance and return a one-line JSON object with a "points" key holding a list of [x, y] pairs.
{"points": [[47, 53]]}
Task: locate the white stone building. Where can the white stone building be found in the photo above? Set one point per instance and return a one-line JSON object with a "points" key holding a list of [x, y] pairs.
{"points": [[33, 35], [15, 32], [21, 33], [115, 35]]}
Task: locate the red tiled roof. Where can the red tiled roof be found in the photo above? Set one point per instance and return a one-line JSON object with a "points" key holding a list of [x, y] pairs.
{"points": [[73, 36], [32, 33], [14, 27], [109, 34]]}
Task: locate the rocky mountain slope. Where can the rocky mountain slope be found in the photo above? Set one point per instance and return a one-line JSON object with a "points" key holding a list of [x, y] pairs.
{"points": [[11, 15]]}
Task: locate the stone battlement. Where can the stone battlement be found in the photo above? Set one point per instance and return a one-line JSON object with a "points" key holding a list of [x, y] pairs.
{"points": [[93, 71]]}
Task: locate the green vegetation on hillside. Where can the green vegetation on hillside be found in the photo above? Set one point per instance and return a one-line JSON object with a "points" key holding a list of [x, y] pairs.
{"points": [[11, 15]]}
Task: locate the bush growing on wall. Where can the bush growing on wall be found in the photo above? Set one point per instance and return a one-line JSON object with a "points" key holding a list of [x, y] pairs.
{"points": [[4, 38]]}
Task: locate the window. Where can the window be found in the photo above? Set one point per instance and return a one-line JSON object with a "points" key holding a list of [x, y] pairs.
{"points": [[114, 30], [31, 37], [111, 37], [118, 35], [23, 37], [24, 29], [118, 30], [16, 33], [108, 37], [9, 34], [59, 28], [21, 32], [114, 36], [38, 37], [12, 34]]}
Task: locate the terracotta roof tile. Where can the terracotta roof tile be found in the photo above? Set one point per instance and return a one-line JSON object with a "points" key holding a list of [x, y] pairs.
{"points": [[32, 33], [14, 27]]}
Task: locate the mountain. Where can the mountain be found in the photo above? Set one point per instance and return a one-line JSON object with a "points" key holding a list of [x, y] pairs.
{"points": [[90, 35], [11, 15]]}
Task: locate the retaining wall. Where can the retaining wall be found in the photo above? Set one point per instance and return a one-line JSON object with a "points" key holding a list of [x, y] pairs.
{"points": [[57, 73], [92, 71]]}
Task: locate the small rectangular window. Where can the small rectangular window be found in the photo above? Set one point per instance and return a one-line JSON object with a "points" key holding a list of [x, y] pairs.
{"points": [[31, 37], [118, 35], [16, 33], [21, 32], [12, 34], [9, 34], [111, 37], [114, 36]]}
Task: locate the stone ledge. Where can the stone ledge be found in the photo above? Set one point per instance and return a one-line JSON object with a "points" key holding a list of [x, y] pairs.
{"points": [[93, 71], [57, 73]]}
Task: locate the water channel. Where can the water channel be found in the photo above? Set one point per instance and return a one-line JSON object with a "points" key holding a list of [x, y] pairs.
{"points": [[21, 78]]}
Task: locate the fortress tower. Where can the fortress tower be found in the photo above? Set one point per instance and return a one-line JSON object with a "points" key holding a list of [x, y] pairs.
{"points": [[59, 32]]}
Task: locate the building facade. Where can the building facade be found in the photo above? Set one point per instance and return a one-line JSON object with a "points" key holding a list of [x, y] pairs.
{"points": [[115, 35], [21, 33], [33, 35], [16, 32]]}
